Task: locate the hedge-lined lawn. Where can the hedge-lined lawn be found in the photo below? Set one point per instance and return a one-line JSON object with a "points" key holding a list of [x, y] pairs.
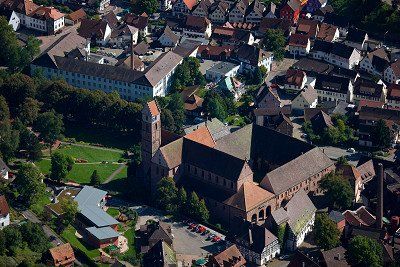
{"points": [[81, 172], [69, 235]]}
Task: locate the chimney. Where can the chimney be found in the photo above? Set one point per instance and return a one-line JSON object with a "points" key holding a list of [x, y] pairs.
{"points": [[250, 237], [379, 212], [338, 256]]}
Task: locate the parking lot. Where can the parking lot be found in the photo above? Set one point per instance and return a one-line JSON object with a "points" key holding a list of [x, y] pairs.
{"points": [[188, 244]]}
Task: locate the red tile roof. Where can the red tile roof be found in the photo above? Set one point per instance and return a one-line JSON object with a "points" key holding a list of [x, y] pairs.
{"points": [[62, 255], [359, 217], [77, 15], [4, 209], [298, 40], [154, 111], [202, 135], [44, 12]]}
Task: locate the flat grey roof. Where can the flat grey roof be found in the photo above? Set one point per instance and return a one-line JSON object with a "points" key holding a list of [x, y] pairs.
{"points": [[223, 67], [103, 232]]}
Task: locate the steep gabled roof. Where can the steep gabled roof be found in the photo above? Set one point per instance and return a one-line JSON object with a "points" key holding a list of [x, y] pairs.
{"points": [[4, 208], [62, 254], [228, 257], [249, 196]]}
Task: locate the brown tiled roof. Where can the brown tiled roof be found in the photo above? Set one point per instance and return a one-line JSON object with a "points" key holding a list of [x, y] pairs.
{"points": [[248, 197], [327, 32], [4, 209], [139, 22], [193, 102], [62, 255], [396, 67], [201, 135], [359, 217], [196, 22], [211, 50], [393, 91], [77, 15], [229, 257], [308, 27], [321, 120], [154, 111], [190, 3], [335, 257], [275, 23], [127, 63], [25, 7], [367, 170], [290, 174], [371, 113], [172, 153], [295, 77], [90, 28], [349, 172], [111, 19], [44, 13], [298, 40]]}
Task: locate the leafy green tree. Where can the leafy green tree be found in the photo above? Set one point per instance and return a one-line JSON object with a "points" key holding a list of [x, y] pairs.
{"points": [[147, 6], [281, 234], [4, 110], [167, 194], [26, 257], [60, 166], [197, 208], [69, 208], [342, 161], [188, 74], [274, 40], [50, 127], [34, 236], [381, 135], [182, 199], [177, 108], [29, 184], [327, 234], [214, 105], [365, 251], [13, 238], [95, 178], [338, 190], [167, 120], [257, 75], [28, 141], [202, 212], [29, 111], [3, 247], [9, 137]]}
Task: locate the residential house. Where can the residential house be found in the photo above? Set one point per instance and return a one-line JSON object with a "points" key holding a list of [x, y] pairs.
{"points": [[307, 98], [328, 33], [193, 104], [356, 38], [75, 17], [183, 7], [335, 257], [219, 12], [298, 215], [198, 28], [299, 44], [280, 123], [124, 35], [221, 70], [132, 62], [320, 14], [4, 171], [291, 11], [95, 225], [256, 243], [341, 22], [227, 35], [332, 88], [27, 14], [238, 12], [97, 31], [150, 234], [4, 212], [160, 255], [338, 218], [321, 121], [111, 19], [392, 98], [230, 194], [62, 255], [375, 62], [201, 10], [368, 118], [141, 49], [271, 11], [353, 175], [232, 85], [295, 80], [274, 24], [269, 97], [251, 57], [231, 256], [364, 89], [344, 56], [254, 12], [313, 67], [313, 6], [212, 52], [308, 27], [139, 22], [361, 217], [321, 49], [168, 38], [392, 73]]}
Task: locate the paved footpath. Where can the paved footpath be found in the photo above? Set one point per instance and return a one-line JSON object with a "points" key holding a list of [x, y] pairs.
{"points": [[111, 177], [91, 146]]}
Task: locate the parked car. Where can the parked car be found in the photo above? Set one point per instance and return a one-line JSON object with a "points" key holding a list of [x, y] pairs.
{"points": [[216, 239], [351, 150], [211, 236], [206, 232], [201, 229], [192, 226]]}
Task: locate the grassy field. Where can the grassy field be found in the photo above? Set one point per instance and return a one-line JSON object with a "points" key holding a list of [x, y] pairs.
{"points": [[38, 207], [81, 172], [69, 235], [113, 212]]}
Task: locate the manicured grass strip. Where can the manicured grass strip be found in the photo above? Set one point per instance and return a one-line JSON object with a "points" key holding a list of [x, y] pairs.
{"points": [[130, 235], [122, 174], [113, 212], [90, 154], [69, 235], [38, 207], [81, 173]]}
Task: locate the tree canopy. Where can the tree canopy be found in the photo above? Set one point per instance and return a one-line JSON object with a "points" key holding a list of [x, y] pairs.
{"points": [[50, 126], [275, 41], [29, 184], [364, 251], [337, 190], [327, 235], [60, 166], [187, 74], [381, 135], [148, 6], [95, 178]]}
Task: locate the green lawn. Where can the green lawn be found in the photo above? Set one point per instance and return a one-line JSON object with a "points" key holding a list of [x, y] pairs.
{"points": [[113, 212], [235, 120], [90, 154], [38, 207], [81, 172], [130, 235], [69, 235]]}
